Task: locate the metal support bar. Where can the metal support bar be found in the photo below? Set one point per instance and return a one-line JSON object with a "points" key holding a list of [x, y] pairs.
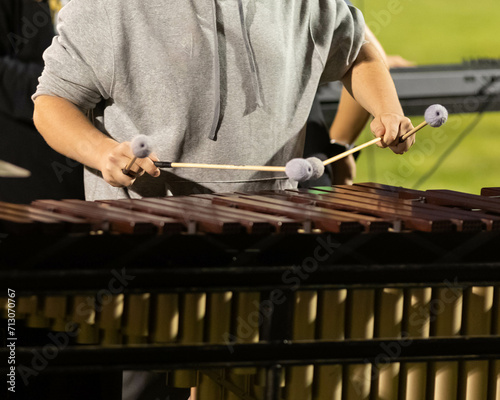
{"points": [[263, 354]]}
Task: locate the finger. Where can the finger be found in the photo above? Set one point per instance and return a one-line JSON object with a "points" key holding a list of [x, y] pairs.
{"points": [[115, 176], [127, 151], [148, 166], [141, 165], [112, 170], [154, 157], [395, 61], [399, 148], [131, 183], [135, 172], [119, 158], [392, 126], [402, 147], [124, 149], [378, 129], [115, 163], [119, 180], [128, 184]]}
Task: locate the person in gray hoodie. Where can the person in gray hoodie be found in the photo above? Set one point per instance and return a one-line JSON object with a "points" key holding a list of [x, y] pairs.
{"points": [[227, 82], [211, 81]]}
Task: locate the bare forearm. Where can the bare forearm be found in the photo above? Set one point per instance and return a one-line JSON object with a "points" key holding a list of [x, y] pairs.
{"points": [[349, 121], [351, 117], [68, 131], [371, 84]]}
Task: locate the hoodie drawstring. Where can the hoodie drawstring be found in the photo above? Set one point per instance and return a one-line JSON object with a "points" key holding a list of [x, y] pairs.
{"points": [[254, 74], [251, 57], [213, 130]]}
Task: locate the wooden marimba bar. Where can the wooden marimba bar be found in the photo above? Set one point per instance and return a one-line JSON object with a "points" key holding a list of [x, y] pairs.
{"points": [[314, 311]]}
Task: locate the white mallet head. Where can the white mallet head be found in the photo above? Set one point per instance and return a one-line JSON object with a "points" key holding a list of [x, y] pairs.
{"points": [[436, 115], [299, 169], [317, 166], [141, 146]]}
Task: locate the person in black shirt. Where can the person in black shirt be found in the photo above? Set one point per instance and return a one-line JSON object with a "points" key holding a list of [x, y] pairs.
{"points": [[26, 30]]}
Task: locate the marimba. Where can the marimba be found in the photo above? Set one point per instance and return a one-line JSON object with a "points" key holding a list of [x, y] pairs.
{"points": [[349, 292]]}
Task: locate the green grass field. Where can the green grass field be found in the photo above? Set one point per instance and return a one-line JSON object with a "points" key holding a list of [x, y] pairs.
{"points": [[434, 32]]}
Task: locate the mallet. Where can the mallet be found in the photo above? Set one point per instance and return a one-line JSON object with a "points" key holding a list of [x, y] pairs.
{"points": [[297, 169], [141, 148], [435, 116]]}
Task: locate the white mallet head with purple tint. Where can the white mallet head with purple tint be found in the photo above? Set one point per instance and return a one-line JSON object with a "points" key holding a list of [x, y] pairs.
{"points": [[317, 166], [436, 115], [141, 146], [299, 169]]}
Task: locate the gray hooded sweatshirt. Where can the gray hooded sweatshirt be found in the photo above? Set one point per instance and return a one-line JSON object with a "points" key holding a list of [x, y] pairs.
{"points": [[209, 81]]}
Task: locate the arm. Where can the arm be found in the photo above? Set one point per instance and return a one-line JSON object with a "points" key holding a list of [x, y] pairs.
{"points": [[66, 129], [351, 118], [350, 121], [370, 83], [74, 81]]}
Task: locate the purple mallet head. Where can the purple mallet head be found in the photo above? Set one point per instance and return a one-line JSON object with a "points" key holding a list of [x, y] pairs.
{"points": [[317, 166], [436, 115], [141, 146], [299, 169]]}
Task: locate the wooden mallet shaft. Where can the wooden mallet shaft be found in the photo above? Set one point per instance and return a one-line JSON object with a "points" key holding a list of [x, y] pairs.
{"points": [[127, 170], [373, 141], [413, 131], [167, 164]]}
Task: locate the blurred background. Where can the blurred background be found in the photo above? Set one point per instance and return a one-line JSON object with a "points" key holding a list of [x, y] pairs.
{"points": [[464, 154]]}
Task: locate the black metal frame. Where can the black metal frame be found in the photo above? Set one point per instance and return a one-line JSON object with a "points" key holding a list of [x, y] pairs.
{"points": [[47, 264], [264, 354]]}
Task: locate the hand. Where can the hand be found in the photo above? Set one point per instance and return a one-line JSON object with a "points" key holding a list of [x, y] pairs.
{"points": [[343, 171], [390, 127], [115, 156], [396, 61]]}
